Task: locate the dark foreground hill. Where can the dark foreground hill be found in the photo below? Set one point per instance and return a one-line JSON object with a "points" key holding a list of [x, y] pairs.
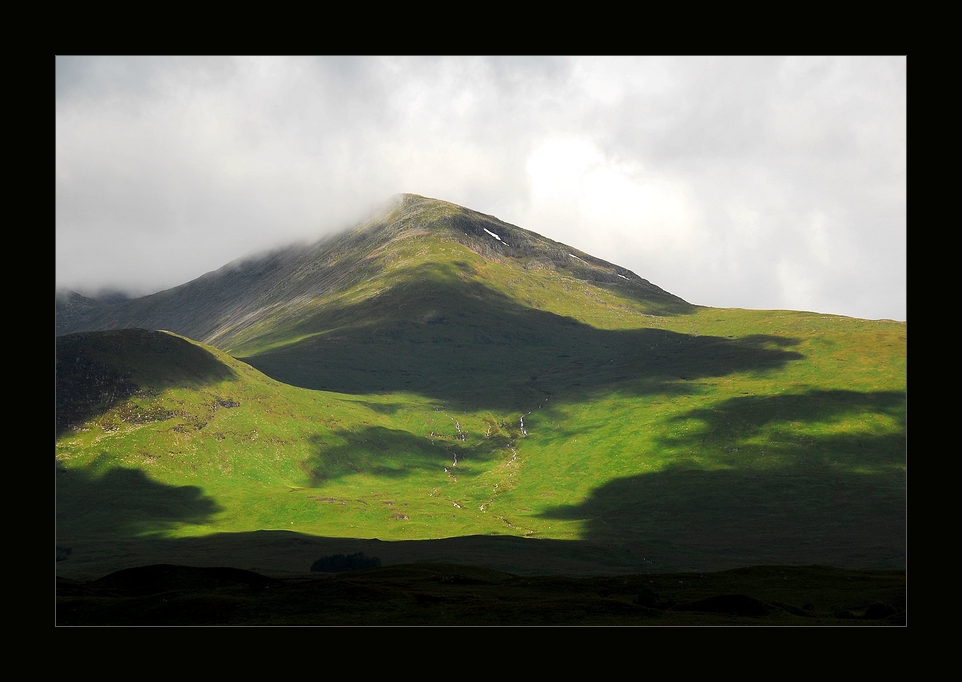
{"points": [[446, 594], [464, 391]]}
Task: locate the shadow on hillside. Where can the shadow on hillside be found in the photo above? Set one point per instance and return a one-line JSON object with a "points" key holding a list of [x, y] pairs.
{"points": [[124, 502], [769, 481], [97, 371], [461, 342], [391, 453], [743, 418], [757, 493], [288, 551]]}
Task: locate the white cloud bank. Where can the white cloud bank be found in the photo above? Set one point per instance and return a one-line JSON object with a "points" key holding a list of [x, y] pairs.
{"points": [[735, 182]]}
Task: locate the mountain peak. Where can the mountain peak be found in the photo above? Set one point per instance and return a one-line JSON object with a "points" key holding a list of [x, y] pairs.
{"points": [[495, 238], [410, 240]]}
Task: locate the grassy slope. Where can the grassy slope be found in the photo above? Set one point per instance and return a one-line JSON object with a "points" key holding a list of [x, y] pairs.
{"points": [[702, 438]]}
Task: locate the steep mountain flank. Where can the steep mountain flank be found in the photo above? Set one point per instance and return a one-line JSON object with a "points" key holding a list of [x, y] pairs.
{"points": [[71, 310]]}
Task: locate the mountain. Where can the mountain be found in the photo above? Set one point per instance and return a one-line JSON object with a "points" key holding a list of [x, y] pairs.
{"points": [[358, 310], [71, 309], [237, 302], [435, 298], [439, 385]]}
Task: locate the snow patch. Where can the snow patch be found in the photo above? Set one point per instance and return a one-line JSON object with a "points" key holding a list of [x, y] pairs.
{"points": [[622, 277], [576, 258], [492, 234]]}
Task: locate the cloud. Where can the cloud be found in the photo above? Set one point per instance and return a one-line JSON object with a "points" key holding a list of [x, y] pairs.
{"points": [[744, 182]]}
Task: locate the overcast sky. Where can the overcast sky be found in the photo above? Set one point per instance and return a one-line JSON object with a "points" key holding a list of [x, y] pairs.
{"points": [[731, 182]]}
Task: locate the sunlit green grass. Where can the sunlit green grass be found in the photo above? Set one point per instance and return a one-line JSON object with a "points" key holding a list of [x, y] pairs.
{"points": [[383, 465], [731, 435]]}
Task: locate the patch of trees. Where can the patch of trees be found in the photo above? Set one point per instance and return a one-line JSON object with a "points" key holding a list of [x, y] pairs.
{"points": [[339, 563]]}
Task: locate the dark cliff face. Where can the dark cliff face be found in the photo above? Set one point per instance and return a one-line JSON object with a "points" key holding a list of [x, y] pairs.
{"points": [[86, 386], [98, 371]]}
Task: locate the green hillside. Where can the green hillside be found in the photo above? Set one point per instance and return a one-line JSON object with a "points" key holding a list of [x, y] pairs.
{"points": [[449, 383]]}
